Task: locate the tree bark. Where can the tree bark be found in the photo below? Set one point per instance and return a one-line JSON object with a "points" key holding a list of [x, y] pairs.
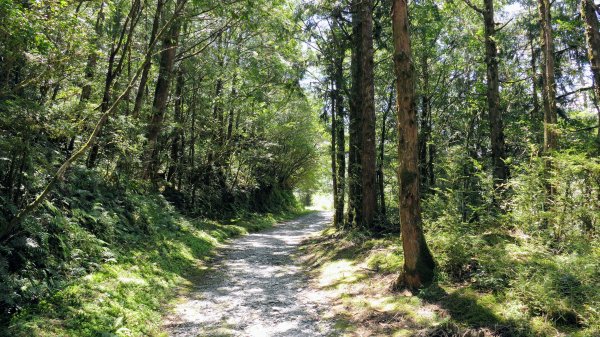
{"points": [[368, 156], [340, 153], [338, 79], [548, 95], [176, 142], [334, 175], [355, 122], [364, 104], [501, 170], [161, 94], [418, 261], [192, 150], [380, 160], [425, 125], [549, 88], [535, 113], [139, 98], [592, 36], [120, 43]]}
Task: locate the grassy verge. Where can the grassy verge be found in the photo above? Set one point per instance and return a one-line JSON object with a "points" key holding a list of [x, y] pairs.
{"points": [[533, 295], [140, 271]]}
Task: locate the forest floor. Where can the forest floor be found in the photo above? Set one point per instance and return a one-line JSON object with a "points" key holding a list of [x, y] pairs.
{"points": [[255, 286], [304, 278], [124, 286], [355, 272]]}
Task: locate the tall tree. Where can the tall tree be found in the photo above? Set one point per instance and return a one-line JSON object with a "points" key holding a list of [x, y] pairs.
{"points": [[177, 141], [549, 88], [592, 35], [368, 155], [340, 134], [381, 158], [339, 52], [161, 94], [334, 170], [418, 261], [363, 124], [139, 97], [534, 51], [501, 170], [355, 122], [122, 37], [90, 69]]}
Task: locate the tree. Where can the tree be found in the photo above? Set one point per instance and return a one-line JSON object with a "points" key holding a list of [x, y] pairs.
{"points": [[121, 39], [549, 88], [167, 61], [418, 261], [362, 172], [592, 35], [139, 97], [340, 151], [501, 170]]}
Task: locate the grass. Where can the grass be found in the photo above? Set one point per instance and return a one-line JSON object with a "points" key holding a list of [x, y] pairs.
{"points": [[513, 289], [129, 291]]}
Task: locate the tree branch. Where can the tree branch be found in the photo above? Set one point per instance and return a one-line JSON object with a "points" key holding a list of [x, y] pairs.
{"points": [[470, 4], [574, 92], [503, 26], [8, 227]]}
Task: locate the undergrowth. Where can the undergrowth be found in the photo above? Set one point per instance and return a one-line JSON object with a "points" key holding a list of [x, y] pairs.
{"points": [[107, 261], [517, 290], [523, 267]]}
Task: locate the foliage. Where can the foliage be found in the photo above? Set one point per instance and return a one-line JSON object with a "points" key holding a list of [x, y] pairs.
{"points": [[243, 123], [237, 136], [104, 261]]}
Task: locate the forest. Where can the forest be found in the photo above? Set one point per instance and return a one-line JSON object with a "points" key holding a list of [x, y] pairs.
{"points": [[299, 168]]}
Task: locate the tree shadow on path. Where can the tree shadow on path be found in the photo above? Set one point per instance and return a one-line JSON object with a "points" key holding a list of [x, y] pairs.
{"points": [[254, 287]]}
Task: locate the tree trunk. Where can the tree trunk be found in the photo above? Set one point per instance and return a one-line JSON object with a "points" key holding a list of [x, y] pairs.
{"points": [[418, 261], [592, 36], [120, 43], [535, 113], [340, 157], [218, 110], [233, 96], [161, 94], [192, 155], [501, 170], [355, 122], [336, 220], [431, 150], [549, 88], [90, 70], [368, 155], [380, 161], [364, 103], [548, 94], [176, 145], [139, 98], [424, 123], [338, 76]]}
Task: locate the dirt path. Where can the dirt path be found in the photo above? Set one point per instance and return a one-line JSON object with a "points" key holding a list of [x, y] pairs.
{"points": [[257, 289]]}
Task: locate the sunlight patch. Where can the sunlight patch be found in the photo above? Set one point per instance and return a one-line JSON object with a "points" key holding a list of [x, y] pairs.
{"points": [[336, 271], [132, 280]]}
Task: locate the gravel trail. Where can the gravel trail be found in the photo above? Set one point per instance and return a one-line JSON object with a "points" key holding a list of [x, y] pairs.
{"points": [[256, 288]]}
